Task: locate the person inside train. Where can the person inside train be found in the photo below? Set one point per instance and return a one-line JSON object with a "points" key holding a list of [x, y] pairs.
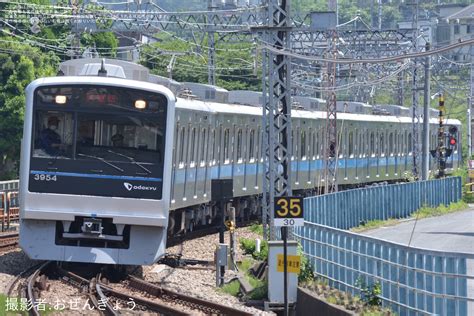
{"points": [[117, 140], [50, 140]]}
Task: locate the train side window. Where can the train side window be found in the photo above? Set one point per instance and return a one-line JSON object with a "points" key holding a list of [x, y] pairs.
{"points": [[315, 144], [303, 145], [192, 147], [204, 142], [351, 145], [182, 149], [218, 149], [390, 144], [372, 143], [410, 149], [257, 142], [382, 144], [212, 147], [226, 145], [239, 145], [252, 145]]}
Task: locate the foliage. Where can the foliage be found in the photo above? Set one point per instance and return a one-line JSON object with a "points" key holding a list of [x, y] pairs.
{"points": [[370, 293], [259, 286], [248, 246], [234, 62], [21, 65], [306, 268], [257, 228], [320, 288], [440, 210], [232, 288], [104, 41]]}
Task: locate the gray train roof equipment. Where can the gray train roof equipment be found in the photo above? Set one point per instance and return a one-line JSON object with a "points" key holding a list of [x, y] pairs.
{"points": [[208, 92], [90, 67]]}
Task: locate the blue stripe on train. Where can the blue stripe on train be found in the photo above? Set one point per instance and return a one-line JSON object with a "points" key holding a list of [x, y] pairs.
{"points": [[225, 171]]}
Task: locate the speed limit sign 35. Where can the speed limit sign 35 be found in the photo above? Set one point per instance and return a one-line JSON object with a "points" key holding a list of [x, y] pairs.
{"points": [[288, 211]]}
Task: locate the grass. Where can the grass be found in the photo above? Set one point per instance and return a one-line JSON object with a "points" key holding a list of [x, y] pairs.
{"points": [[423, 212], [260, 287], [354, 303], [232, 288], [257, 228]]}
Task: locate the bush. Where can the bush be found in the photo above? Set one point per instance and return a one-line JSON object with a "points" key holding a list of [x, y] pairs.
{"points": [[248, 246], [307, 269]]}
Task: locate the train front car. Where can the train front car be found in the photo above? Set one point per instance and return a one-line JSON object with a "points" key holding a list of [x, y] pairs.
{"points": [[95, 170]]}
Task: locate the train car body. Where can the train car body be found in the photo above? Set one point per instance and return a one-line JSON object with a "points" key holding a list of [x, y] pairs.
{"points": [[115, 199], [96, 170]]}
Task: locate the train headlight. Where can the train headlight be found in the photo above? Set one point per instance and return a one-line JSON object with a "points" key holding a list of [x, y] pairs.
{"points": [[140, 104], [60, 99]]}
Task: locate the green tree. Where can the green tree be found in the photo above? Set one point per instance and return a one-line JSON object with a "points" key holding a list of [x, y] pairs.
{"points": [[19, 66]]}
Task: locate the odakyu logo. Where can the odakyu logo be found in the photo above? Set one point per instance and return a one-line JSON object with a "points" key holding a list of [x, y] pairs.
{"points": [[131, 187]]}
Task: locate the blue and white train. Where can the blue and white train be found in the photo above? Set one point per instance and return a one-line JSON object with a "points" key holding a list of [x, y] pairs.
{"points": [[113, 162]]}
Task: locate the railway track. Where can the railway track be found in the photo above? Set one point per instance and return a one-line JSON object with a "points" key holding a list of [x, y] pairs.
{"points": [[8, 241], [127, 295], [150, 297]]}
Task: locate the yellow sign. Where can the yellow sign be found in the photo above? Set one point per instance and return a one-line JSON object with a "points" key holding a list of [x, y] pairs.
{"points": [[471, 173], [292, 262]]}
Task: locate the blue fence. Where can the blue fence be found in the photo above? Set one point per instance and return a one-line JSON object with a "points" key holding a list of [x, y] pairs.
{"points": [[413, 281], [349, 208]]}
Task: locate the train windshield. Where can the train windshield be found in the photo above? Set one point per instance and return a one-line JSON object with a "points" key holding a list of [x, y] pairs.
{"points": [[106, 134]]}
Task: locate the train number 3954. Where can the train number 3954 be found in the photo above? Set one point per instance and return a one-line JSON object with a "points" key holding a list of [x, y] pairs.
{"points": [[45, 177]]}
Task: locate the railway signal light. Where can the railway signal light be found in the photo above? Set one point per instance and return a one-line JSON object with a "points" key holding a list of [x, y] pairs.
{"points": [[452, 141]]}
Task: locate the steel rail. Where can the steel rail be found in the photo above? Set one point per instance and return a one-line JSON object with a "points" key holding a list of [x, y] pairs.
{"points": [[8, 241], [182, 299], [152, 305], [30, 295]]}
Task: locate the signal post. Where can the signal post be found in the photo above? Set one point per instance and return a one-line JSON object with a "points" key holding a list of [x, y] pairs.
{"points": [[288, 213]]}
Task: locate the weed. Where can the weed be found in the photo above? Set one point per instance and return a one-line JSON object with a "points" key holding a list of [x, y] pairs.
{"points": [[257, 228], [248, 246], [232, 288], [370, 293]]}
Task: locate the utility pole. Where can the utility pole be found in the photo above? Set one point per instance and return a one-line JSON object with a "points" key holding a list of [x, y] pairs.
{"points": [[380, 15], [76, 41], [426, 119], [211, 51], [415, 115], [441, 137], [276, 118], [331, 141], [471, 105], [332, 6], [401, 88]]}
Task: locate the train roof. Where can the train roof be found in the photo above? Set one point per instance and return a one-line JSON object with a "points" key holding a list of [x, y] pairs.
{"points": [[240, 109]]}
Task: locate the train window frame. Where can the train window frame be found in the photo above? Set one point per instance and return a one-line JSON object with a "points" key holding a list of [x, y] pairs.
{"points": [[372, 144], [204, 143], [252, 145], [225, 146], [182, 148], [258, 152], [409, 144], [239, 146], [192, 146], [390, 144], [350, 146], [303, 145], [212, 143], [382, 144]]}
